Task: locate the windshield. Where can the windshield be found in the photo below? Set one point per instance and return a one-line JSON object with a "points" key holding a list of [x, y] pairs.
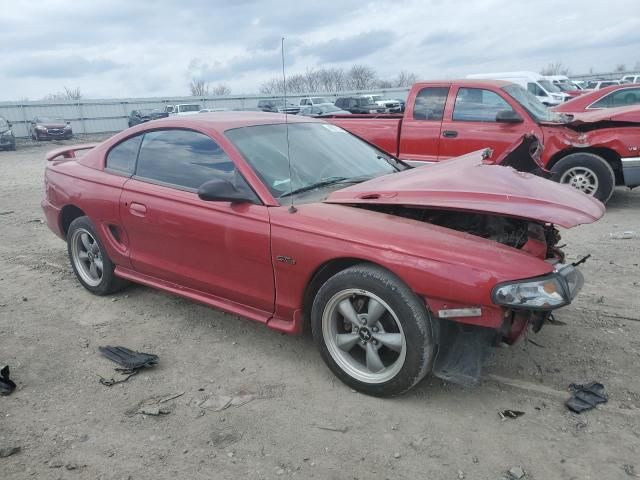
{"points": [[329, 109], [321, 100], [190, 108], [376, 98], [532, 105], [566, 87], [49, 120], [148, 111], [548, 86], [319, 152]]}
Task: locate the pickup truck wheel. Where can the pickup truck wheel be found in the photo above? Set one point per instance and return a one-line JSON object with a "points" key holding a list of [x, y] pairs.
{"points": [[89, 259], [372, 331], [587, 172]]}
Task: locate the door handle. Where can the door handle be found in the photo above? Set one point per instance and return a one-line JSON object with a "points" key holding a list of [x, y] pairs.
{"points": [[450, 133], [137, 209]]}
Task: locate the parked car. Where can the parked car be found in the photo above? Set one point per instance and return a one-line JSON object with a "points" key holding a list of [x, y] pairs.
{"points": [[450, 118], [598, 84], [608, 97], [398, 271], [43, 128], [310, 101], [183, 109], [630, 79], [390, 106], [7, 138], [358, 105], [137, 117], [565, 85], [276, 105], [548, 93], [209, 110], [322, 110]]}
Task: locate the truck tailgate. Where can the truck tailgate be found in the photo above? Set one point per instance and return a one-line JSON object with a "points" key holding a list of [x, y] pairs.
{"points": [[382, 131]]}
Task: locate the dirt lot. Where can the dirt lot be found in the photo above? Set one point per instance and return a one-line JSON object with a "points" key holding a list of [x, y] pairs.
{"points": [[288, 415]]}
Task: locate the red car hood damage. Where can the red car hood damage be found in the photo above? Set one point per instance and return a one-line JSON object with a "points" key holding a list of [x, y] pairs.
{"points": [[470, 184]]}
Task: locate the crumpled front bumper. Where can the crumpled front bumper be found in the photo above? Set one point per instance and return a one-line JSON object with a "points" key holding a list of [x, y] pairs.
{"points": [[631, 171]]}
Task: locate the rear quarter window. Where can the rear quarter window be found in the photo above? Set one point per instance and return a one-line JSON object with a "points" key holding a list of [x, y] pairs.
{"points": [[122, 157]]}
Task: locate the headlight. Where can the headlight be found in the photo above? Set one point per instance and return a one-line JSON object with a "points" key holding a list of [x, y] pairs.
{"points": [[40, 127], [545, 293], [67, 127]]}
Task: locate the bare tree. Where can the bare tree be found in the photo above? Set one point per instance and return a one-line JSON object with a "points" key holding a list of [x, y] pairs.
{"points": [[384, 84], [313, 80], [556, 68], [221, 90], [67, 94], [72, 93], [405, 79], [272, 86], [296, 83], [199, 87], [361, 77], [636, 67], [621, 67]]}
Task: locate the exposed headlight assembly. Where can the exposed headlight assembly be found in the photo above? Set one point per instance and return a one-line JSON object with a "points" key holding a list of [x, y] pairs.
{"points": [[544, 293]]}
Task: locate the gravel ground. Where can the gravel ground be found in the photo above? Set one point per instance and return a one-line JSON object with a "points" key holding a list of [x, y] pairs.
{"points": [[286, 415]]}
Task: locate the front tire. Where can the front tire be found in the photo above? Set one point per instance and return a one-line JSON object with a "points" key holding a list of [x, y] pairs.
{"points": [[89, 259], [372, 331], [587, 172]]}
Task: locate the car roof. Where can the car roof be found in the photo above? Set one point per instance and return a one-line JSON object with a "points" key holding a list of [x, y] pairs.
{"points": [[222, 121], [467, 82]]}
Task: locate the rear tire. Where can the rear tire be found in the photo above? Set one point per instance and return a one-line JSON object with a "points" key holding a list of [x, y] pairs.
{"points": [[372, 331], [89, 259], [587, 172]]}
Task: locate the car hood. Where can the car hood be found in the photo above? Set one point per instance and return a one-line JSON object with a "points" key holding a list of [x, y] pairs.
{"points": [[469, 183], [51, 125], [618, 114]]}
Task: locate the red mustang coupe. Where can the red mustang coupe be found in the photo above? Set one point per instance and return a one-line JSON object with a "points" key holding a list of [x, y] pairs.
{"points": [[397, 271], [609, 97]]}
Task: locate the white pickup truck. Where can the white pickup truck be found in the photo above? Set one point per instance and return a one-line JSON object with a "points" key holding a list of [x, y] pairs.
{"points": [[183, 109], [390, 106]]}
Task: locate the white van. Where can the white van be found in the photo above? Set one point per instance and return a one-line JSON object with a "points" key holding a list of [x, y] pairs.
{"points": [[538, 85]]}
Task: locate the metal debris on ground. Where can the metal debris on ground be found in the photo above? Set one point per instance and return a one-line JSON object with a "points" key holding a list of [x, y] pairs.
{"points": [[516, 473], [7, 386], [132, 362], [332, 429], [507, 414], [621, 235], [8, 451], [585, 397]]}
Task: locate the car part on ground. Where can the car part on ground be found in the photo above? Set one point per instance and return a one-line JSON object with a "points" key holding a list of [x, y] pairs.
{"points": [[585, 397], [399, 271], [7, 386], [130, 361]]}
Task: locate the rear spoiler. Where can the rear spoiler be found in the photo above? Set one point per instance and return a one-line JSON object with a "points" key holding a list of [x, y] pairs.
{"points": [[68, 152]]}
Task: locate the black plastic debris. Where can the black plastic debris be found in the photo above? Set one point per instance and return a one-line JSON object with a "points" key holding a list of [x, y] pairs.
{"points": [[509, 414], [130, 361], [7, 386], [585, 397]]}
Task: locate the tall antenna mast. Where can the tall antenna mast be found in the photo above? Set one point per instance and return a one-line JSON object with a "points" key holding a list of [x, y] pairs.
{"points": [[292, 209]]}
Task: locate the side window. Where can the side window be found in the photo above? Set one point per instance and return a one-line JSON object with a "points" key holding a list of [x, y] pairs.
{"points": [[478, 105], [619, 98], [183, 158], [430, 103], [535, 89], [122, 157]]}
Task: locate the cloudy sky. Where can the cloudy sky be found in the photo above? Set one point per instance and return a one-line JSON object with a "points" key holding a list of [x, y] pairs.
{"points": [[137, 48]]}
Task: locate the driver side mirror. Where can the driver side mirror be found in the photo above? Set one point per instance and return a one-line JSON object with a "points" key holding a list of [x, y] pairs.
{"points": [[508, 116], [219, 190]]}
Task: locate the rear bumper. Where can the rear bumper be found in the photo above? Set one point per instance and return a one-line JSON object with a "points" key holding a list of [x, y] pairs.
{"points": [[631, 171], [52, 215]]}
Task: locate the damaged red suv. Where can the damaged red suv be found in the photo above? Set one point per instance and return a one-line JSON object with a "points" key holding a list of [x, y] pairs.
{"points": [[397, 271]]}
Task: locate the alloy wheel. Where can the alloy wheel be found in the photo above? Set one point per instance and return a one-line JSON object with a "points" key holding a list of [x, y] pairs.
{"points": [[364, 336], [581, 178], [87, 257]]}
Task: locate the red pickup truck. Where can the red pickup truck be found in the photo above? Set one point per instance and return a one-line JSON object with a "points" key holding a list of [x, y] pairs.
{"points": [[443, 119]]}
